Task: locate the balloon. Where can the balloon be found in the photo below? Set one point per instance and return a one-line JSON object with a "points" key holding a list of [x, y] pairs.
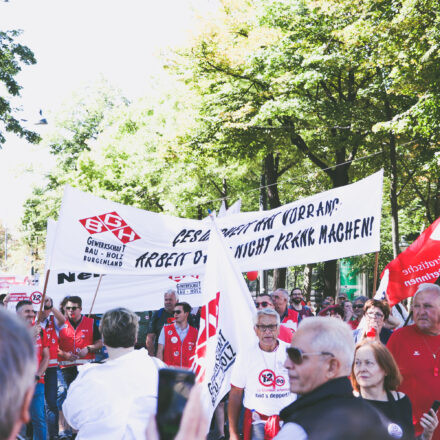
{"points": [[253, 275]]}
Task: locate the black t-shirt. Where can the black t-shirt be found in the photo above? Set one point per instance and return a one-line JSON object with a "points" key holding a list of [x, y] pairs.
{"points": [[398, 412], [159, 319]]}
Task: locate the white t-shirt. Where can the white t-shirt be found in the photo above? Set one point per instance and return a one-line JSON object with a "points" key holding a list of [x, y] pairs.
{"points": [[264, 379]]}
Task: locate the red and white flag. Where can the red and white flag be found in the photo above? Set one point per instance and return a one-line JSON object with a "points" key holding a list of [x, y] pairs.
{"points": [[226, 324], [419, 263]]}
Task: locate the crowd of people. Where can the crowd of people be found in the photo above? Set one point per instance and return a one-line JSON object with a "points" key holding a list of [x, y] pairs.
{"points": [[356, 370]]}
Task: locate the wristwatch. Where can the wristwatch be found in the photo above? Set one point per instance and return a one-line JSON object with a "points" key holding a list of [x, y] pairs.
{"points": [[89, 349], [37, 378]]}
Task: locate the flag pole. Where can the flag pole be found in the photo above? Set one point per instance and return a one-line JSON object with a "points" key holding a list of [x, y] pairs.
{"points": [[96, 292], [376, 263], [44, 296]]}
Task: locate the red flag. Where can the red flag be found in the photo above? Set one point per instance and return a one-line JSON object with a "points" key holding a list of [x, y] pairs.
{"points": [[418, 264]]}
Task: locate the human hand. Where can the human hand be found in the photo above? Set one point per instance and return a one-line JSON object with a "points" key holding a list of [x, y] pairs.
{"points": [[83, 352], [36, 330], [194, 423], [429, 422]]}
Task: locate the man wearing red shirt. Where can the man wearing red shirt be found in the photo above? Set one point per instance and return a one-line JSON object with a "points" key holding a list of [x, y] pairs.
{"points": [[288, 317], [25, 311], [416, 349]]}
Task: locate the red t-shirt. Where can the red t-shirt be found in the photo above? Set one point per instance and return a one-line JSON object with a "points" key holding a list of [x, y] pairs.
{"points": [[418, 358], [286, 334], [40, 343]]}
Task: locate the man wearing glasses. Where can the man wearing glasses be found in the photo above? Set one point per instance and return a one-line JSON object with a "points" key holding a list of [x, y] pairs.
{"points": [[265, 301], [79, 340], [319, 362], [177, 341], [260, 375]]}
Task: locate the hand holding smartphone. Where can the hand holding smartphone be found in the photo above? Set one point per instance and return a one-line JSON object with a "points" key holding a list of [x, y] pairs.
{"points": [[174, 387]]}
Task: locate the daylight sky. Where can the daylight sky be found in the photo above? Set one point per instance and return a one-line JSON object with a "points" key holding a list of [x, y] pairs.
{"points": [[77, 42]]}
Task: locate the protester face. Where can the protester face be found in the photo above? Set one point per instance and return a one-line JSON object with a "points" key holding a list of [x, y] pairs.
{"points": [[279, 301], [169, 301], [296, 296], [375, 318], [179, 315], [367, 371], [330, 300], [358, 309], [311, 372], [426, 311], [73, 311], [267, 331], [341, 299], [348, 308], [27, 313], [264, 302]]}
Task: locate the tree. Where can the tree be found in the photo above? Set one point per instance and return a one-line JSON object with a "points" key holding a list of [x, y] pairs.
{"points": [[12, 56]]}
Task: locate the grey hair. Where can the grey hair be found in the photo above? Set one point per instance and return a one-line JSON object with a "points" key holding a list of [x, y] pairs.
{"points": [[119, 328], [284, 292], [171, 291], [266, 312], [18, 368], [332, 335], [424, 287]]}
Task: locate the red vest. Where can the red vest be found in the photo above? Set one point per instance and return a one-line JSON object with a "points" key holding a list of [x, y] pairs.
{"points": [[73, 340], [176, 353], [40, 343], [291, 320], [52, 339]]}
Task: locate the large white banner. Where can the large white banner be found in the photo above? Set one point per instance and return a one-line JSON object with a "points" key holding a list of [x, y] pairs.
{"points": [[226, 324], [100, 236]]}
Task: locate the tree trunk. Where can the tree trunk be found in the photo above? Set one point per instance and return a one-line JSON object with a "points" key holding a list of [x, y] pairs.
{"points": [[271, 163], [393, 198], [307, 286]]}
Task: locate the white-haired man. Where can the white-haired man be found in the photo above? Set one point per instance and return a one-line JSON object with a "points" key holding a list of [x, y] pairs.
{"points": [[319, 362], [18, 362], [416, 349], [259, 373], [160, 317], [288, 317]]}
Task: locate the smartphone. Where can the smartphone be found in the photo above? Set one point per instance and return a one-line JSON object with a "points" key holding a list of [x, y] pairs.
{"points": [[174, 387], [436, 405]]}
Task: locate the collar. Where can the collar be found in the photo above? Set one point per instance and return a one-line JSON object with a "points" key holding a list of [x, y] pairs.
{"points": [[77, 323], [340, 387]]}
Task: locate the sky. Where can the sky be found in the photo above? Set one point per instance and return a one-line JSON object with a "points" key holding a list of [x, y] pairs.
{"points": [[75, 43]]}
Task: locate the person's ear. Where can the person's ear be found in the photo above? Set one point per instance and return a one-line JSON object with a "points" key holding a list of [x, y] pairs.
{"points": [[333, 368]]}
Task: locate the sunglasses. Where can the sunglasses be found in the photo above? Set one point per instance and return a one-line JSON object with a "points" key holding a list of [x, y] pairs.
{"points": [[358, 306], [296, 355], [263, 304], [177, 312], [375, 315], [73, 308]]}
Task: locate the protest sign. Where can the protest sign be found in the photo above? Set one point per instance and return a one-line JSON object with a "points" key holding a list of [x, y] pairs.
{"points": [[136, 293], [20, 293], [226, 324], [100, 236], [419, 263]]}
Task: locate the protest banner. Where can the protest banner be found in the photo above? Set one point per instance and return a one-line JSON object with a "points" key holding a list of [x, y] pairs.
{"points": [[226, 324], [419, 263], [20, 293], [100, 236]]}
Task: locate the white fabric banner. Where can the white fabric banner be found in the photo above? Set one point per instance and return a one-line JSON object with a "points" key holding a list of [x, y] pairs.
{"points": [[226, 324], [137, 293], [100, 236]]}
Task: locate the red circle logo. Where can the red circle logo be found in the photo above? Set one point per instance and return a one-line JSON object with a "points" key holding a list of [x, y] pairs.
{"points": [[267, 378], [36, 297]]}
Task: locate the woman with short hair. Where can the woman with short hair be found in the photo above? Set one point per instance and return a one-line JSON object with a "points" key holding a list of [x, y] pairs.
{"points": [[375, 377]]}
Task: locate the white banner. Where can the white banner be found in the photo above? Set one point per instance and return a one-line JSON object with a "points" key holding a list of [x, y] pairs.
{"points": [[226, 324], [137, 293], [20, 293], [100, 236]]}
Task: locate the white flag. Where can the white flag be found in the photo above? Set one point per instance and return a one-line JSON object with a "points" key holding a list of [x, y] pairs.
{"points": [[226, 324]]}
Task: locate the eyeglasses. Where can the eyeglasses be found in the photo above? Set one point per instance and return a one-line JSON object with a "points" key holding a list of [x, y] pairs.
{"points": [[73, 308], [263, 304], [296, 355], [358, 306], [263, 328], [177, 312], [375, 315]]}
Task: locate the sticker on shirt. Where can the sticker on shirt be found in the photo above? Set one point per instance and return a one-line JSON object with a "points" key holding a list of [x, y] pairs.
{"points": [[176, 353], [174, 339], [416, 353], [170, 332], [395, 430], [190, 346]]}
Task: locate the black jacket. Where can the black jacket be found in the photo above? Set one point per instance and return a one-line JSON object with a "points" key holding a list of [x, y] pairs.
{"points": [[332, 412]]}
